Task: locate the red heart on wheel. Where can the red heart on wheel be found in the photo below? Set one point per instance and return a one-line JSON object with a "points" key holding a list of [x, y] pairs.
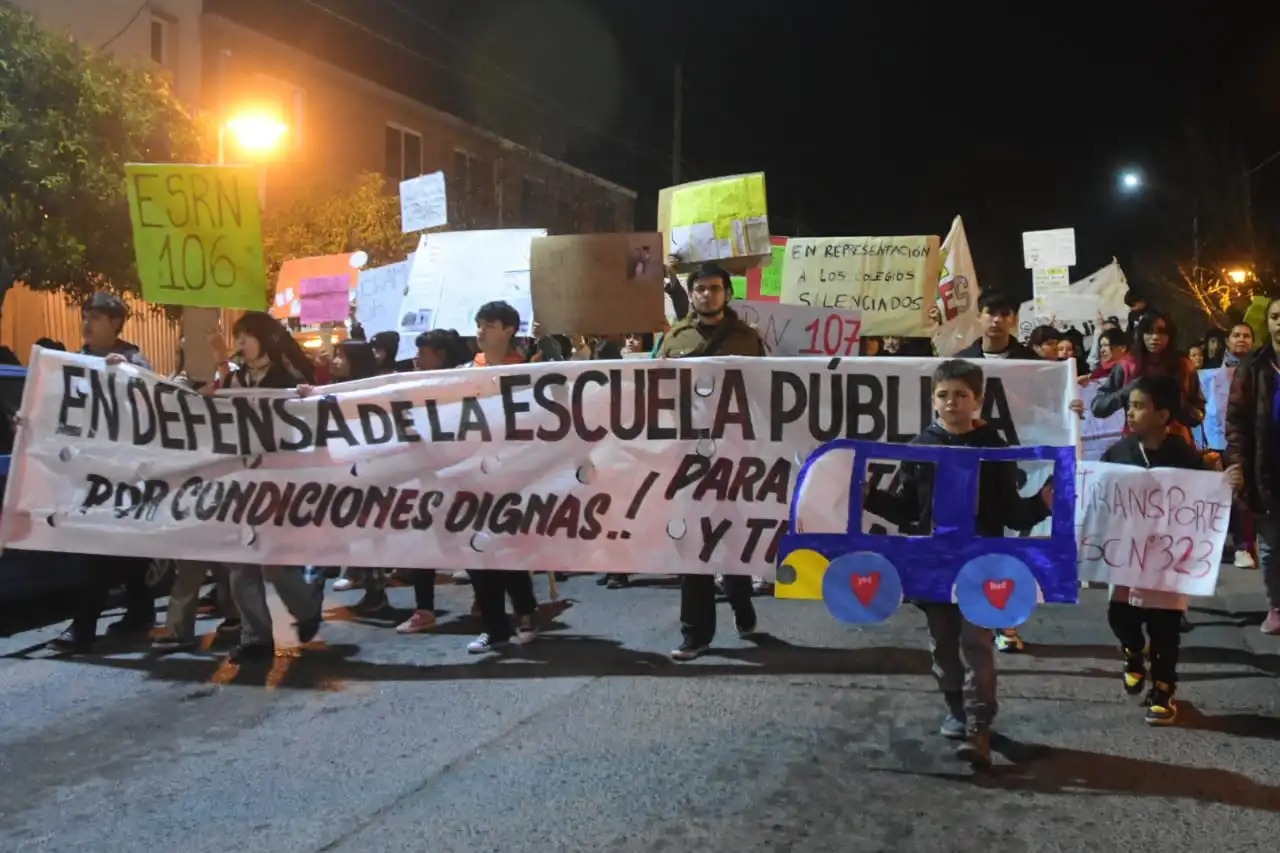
{"points": [[865, 587], [998, 592]]}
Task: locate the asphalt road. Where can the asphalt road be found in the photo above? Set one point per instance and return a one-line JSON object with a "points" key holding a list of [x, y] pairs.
{"points": [[819, 738]]}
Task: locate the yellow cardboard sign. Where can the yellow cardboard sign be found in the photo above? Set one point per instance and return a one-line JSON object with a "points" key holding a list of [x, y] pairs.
{"points": [[718, 219], [892, 280], [198, 235]]}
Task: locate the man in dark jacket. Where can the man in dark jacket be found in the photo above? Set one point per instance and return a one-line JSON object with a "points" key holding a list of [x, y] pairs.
{"points": [[712, 328], [1253, 428], [103, 317], [998, 315]]}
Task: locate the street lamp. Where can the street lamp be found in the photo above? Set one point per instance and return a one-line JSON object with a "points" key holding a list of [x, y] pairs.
{"points": [[257, 133], [1238, 276], [1131, 182]]}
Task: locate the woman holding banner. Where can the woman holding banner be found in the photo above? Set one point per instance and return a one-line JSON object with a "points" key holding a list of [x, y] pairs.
{"points": [[270, 358]]}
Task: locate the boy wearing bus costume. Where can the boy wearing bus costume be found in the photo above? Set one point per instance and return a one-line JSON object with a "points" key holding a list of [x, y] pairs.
{"points": [[963, 653]]}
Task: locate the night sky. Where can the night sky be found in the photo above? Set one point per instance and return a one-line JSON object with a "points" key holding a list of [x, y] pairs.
{"points": [[869, 118]]}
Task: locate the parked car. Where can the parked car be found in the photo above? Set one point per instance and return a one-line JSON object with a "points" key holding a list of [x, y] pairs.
{"points": [[28, 574]]}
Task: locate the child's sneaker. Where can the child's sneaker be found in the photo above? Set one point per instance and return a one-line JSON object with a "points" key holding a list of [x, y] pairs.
{"points": [[1008, 641], [953, 724], [1161, 709], [976, 748], [1135, 672]]}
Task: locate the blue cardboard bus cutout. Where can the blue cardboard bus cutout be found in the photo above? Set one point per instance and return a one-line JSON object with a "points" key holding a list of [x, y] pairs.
{"points": [[996, 581]]}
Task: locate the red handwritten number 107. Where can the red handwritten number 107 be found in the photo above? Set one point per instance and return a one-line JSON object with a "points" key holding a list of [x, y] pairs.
{"points": [[836, 335]]}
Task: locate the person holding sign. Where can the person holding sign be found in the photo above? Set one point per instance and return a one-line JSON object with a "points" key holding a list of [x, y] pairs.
{"points": [[496, 327], [1253, 430], [102, 321], [1152, 405], [711, 329], [271, 359]]}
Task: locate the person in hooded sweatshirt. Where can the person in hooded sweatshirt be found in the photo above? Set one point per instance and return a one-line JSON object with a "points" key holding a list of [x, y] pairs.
{"points": [[1152, 408], [963, 653]]}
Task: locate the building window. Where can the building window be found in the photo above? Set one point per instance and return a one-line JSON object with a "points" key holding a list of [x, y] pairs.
{"points": [[404, 154], [604, 216], [533, 205], [162, 41]]}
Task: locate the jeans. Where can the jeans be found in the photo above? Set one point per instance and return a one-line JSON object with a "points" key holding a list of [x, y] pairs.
{"points": [[424, 589], [964, 661], [1267, 527], [1164, 627], [492, 588], [698, 606], [107, 574], [249, 589], [184, 598]]}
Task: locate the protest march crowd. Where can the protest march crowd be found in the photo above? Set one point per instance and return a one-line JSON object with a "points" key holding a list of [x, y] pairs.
{"points": [[1137, 366]]}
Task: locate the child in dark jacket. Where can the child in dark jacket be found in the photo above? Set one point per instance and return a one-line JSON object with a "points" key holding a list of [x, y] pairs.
{"points": [[963, 653], [1152, 406]]}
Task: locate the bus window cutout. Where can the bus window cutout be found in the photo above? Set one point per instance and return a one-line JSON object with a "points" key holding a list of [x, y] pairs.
{"points": [[1031, 478], [997, 582]]}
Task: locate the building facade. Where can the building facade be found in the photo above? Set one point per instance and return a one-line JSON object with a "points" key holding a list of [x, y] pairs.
{"points": [[339, 125]]}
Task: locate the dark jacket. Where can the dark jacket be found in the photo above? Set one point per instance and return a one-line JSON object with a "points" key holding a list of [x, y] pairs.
{"points": [[1113, 395], [277, 376], [909, 501], [690, 339], [1173, 452], [131, 353], [1017, 350], [1251, 435]]}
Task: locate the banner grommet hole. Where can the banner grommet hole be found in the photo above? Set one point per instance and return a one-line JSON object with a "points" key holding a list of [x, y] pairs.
{"points": [[704, 386], [677, 528]]}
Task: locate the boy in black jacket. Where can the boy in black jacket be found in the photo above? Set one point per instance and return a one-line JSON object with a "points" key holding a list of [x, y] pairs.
{"points": [[1153, 402], [963, 654]]}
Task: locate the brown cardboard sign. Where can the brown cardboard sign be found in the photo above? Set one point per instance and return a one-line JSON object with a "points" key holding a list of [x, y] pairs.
{"points": [[598, 284]]}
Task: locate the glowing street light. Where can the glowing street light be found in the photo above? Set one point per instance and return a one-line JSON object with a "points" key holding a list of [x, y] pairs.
{"points": [[258, 133], [1238, 276], [1130, 181]]}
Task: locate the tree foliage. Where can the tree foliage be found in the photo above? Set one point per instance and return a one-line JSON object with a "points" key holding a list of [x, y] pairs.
{"points": [[70, 118], [366, 217]]}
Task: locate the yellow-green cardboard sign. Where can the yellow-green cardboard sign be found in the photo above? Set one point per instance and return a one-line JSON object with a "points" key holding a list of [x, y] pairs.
{"points": [[198, 235]]}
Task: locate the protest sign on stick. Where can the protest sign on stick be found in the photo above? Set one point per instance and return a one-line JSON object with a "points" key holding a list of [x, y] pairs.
{"points": [[598, 284], [197, 235]]}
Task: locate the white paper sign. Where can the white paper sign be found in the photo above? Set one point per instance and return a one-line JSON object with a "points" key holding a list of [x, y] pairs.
{"points": [[422, 203], [455, 272], [794, 330], [1069, 308], [1050, 281], [1044, 249], [1097, 434], [378, 297], [646, 466], [1159, 529]]}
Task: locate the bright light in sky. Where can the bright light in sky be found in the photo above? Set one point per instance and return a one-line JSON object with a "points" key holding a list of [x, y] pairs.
{"points": [[1130, 180]]}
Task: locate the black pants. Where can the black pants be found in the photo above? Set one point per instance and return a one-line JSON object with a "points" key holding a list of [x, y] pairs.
{"points": [[424, 589], [106, 574], [1163, 629], [698, 606], [492, 588]]}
